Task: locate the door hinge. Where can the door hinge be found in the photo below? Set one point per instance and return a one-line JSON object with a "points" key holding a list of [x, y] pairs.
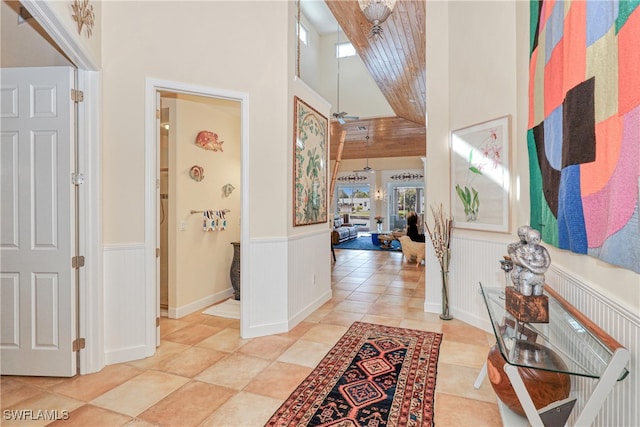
{"points": [[77, 261], [78, 344], [77, 178], [157, 114], [157, 322], [157, 252], [77, 95]]}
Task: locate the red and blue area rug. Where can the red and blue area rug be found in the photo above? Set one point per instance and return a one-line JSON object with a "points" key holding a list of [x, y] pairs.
{"points": [[374, 376]]}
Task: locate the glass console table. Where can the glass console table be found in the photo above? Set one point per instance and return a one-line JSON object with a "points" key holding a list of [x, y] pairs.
{"points": [[585, 349]]}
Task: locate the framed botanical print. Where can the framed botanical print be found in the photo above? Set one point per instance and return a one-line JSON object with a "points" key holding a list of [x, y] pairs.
{"points": [[310, 144], [480, 175]]}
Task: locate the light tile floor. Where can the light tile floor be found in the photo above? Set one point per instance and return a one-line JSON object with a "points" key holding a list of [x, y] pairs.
{"points": [[204, 374]]}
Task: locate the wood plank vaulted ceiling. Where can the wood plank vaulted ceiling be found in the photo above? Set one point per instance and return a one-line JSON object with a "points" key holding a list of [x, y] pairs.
{"points": [[397, 63]]}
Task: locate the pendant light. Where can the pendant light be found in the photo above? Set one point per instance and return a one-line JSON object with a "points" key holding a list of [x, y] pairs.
{"points": [[376, 12]]}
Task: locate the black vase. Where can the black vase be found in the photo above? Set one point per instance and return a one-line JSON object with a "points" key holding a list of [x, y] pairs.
{"points": [[234, 274]]}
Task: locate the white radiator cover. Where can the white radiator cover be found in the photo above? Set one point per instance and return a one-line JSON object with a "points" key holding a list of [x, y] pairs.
{"points": [[475, 260]]}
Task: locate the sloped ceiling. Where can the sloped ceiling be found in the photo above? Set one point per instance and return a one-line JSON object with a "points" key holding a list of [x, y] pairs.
{"points": [[397, 63]]}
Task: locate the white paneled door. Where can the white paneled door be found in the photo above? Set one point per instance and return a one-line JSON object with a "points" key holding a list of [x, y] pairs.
{"points": [[37, 235]]}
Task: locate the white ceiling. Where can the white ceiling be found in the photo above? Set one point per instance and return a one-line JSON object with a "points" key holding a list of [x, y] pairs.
{"points": [[317, 12]]}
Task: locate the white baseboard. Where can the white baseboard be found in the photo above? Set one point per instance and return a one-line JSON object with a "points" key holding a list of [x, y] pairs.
{"points": [[267, 329], [431, 307], [308, 310], [285, 326], [178, 312], [470, 318], [126, 354]]}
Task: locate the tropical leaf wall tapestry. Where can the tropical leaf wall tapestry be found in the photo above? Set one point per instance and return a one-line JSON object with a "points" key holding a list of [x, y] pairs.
{"points": [[310, 165], [584, 127]]}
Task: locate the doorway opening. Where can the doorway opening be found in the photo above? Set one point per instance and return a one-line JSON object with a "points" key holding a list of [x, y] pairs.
{"points": [[405, 198], [200, 165], [354, 205], [164, 210], [198, 200]]}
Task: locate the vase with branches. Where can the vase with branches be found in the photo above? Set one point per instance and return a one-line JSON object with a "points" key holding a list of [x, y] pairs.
{"points": [[440, 236]]}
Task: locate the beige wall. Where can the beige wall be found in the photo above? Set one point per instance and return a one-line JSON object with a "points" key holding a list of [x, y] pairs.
{"points": [[92, 45], [438, 82], [359, 93], [477, 64], [190, 42], [25, 44], [33, 42], [483, 75], [309, 58]]}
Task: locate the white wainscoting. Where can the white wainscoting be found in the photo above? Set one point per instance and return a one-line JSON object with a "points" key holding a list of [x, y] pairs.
{"points": [[475, 260], [309, 274], [290, 278], [621, 407], [125, 303], [264, 303], [285, 289]]}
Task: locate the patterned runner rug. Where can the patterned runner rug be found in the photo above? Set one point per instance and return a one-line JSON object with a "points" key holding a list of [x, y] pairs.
{"points": [[374, 376]]}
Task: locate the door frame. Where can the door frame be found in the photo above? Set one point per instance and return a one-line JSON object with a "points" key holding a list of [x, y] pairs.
{"points": [[152, 186], [89, 148]]}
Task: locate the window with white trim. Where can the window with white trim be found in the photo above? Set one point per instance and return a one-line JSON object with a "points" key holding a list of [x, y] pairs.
{"points": [[345, 49], [303, 33]]}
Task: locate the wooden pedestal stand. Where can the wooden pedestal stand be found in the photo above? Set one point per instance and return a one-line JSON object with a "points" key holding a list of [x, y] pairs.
{"points": [[527, 309]]}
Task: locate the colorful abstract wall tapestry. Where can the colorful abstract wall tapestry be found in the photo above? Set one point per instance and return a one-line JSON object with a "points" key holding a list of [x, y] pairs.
{"points": [[584, 127]]}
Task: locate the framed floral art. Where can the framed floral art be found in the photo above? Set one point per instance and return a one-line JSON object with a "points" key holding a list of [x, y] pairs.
{"points": [[310, 145], [480, 175]]}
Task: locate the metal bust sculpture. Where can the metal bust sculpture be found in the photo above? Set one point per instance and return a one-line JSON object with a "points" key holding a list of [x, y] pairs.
{"points": [[531, 260], [511, 250]]}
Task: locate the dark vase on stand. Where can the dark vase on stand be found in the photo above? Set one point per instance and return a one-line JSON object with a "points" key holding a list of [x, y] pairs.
{"points": [[234, 274]]}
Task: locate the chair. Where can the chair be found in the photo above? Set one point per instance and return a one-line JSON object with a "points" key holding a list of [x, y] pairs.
{"points": [[412, 250]]}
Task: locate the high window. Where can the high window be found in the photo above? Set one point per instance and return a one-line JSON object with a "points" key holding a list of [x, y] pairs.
{"points": [[303, 33], [345, 49]]}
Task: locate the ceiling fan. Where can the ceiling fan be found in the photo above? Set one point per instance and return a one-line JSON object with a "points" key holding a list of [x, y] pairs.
{"points": [[341, 116], [367, 168]]}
